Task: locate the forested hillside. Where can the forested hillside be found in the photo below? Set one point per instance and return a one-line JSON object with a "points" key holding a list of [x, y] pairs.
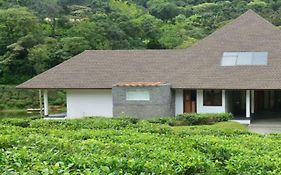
{"points": [[38, 34]]}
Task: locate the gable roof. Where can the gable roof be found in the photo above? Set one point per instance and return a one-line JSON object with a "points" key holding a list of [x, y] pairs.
{"points": [[196, 67]]}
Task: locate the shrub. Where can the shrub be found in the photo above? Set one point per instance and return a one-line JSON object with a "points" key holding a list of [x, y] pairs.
{"points": [[129, 146], [21, 122], [162, 120], [16, 122], [89, 123], [201, 118]]}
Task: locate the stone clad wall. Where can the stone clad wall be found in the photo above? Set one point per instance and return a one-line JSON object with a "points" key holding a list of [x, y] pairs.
{"points": [[161, 103]]}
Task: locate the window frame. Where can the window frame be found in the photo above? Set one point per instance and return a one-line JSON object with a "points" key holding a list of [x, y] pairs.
{"points": [[213, 101], [137, 92]]}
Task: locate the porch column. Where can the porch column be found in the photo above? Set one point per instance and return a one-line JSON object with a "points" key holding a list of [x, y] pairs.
{"points": [[252, 101], [40, 103], [248, 103], [46, 111]]}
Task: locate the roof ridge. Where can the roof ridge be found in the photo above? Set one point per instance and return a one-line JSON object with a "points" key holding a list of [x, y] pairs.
{"points": [[259, 16], [232, 22], [131, 50]]}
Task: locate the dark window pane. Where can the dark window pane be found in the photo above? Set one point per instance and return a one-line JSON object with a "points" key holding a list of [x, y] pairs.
{"points": [[212, 98]]}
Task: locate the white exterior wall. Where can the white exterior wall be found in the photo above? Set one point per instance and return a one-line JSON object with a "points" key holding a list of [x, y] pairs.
{"points": [[178, 101], [85, 103], [209, 109]]}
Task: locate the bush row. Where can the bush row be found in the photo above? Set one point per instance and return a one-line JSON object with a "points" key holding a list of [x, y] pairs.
{"points": [[119, 122], [194, 119], [203, 118], [124, 146]]}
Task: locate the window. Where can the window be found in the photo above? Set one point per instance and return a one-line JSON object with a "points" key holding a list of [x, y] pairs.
{"points": [[137, 95], [244, 58], [212, 98]]}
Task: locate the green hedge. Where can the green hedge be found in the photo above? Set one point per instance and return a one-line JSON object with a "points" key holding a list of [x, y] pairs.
{"points": [[187, 119], [203, 118], [126, 146]]}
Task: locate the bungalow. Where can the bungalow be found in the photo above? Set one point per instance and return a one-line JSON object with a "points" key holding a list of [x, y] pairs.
{"points": [[236, 69]]}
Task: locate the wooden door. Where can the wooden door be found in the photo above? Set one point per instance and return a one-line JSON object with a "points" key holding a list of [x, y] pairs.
{"points": [[189, 101]]}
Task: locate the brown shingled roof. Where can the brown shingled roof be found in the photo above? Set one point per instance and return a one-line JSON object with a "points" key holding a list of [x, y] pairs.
{"points": [[196, 67]]}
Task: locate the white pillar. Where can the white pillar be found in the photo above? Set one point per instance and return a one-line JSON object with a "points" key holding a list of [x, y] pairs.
{"points": [[224, 101], [179, 102], [248, 103], [46, 111], [40, 103], [252, 101]]}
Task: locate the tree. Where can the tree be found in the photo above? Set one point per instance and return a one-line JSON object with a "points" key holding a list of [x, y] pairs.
{"points": [[19, 31], [51, 12], [187, 43], [39, 56], [117, 38], [125, 16], [172, 36], [150, 25], [94, 34], [163, 10], [257, 4], [38, 34], [47, 54], [75, 45], [14, 24], [79, 11], [14, 63]]}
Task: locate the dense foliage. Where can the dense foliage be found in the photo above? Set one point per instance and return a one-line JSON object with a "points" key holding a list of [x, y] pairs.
{"points": [[203, 118], [37, 35], [120, 146], [12, 98], [188, 119]]}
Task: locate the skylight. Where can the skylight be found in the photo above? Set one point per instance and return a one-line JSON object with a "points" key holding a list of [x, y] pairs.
{"points": [[244, 58]]}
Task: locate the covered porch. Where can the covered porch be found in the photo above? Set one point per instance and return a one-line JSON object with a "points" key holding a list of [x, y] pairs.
{"points": [[254, 104], [45, 107]]}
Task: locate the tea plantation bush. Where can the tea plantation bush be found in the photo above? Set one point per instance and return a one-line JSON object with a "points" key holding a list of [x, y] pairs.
{"points": [[203, 118], [194, 119], [128, 146]]}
